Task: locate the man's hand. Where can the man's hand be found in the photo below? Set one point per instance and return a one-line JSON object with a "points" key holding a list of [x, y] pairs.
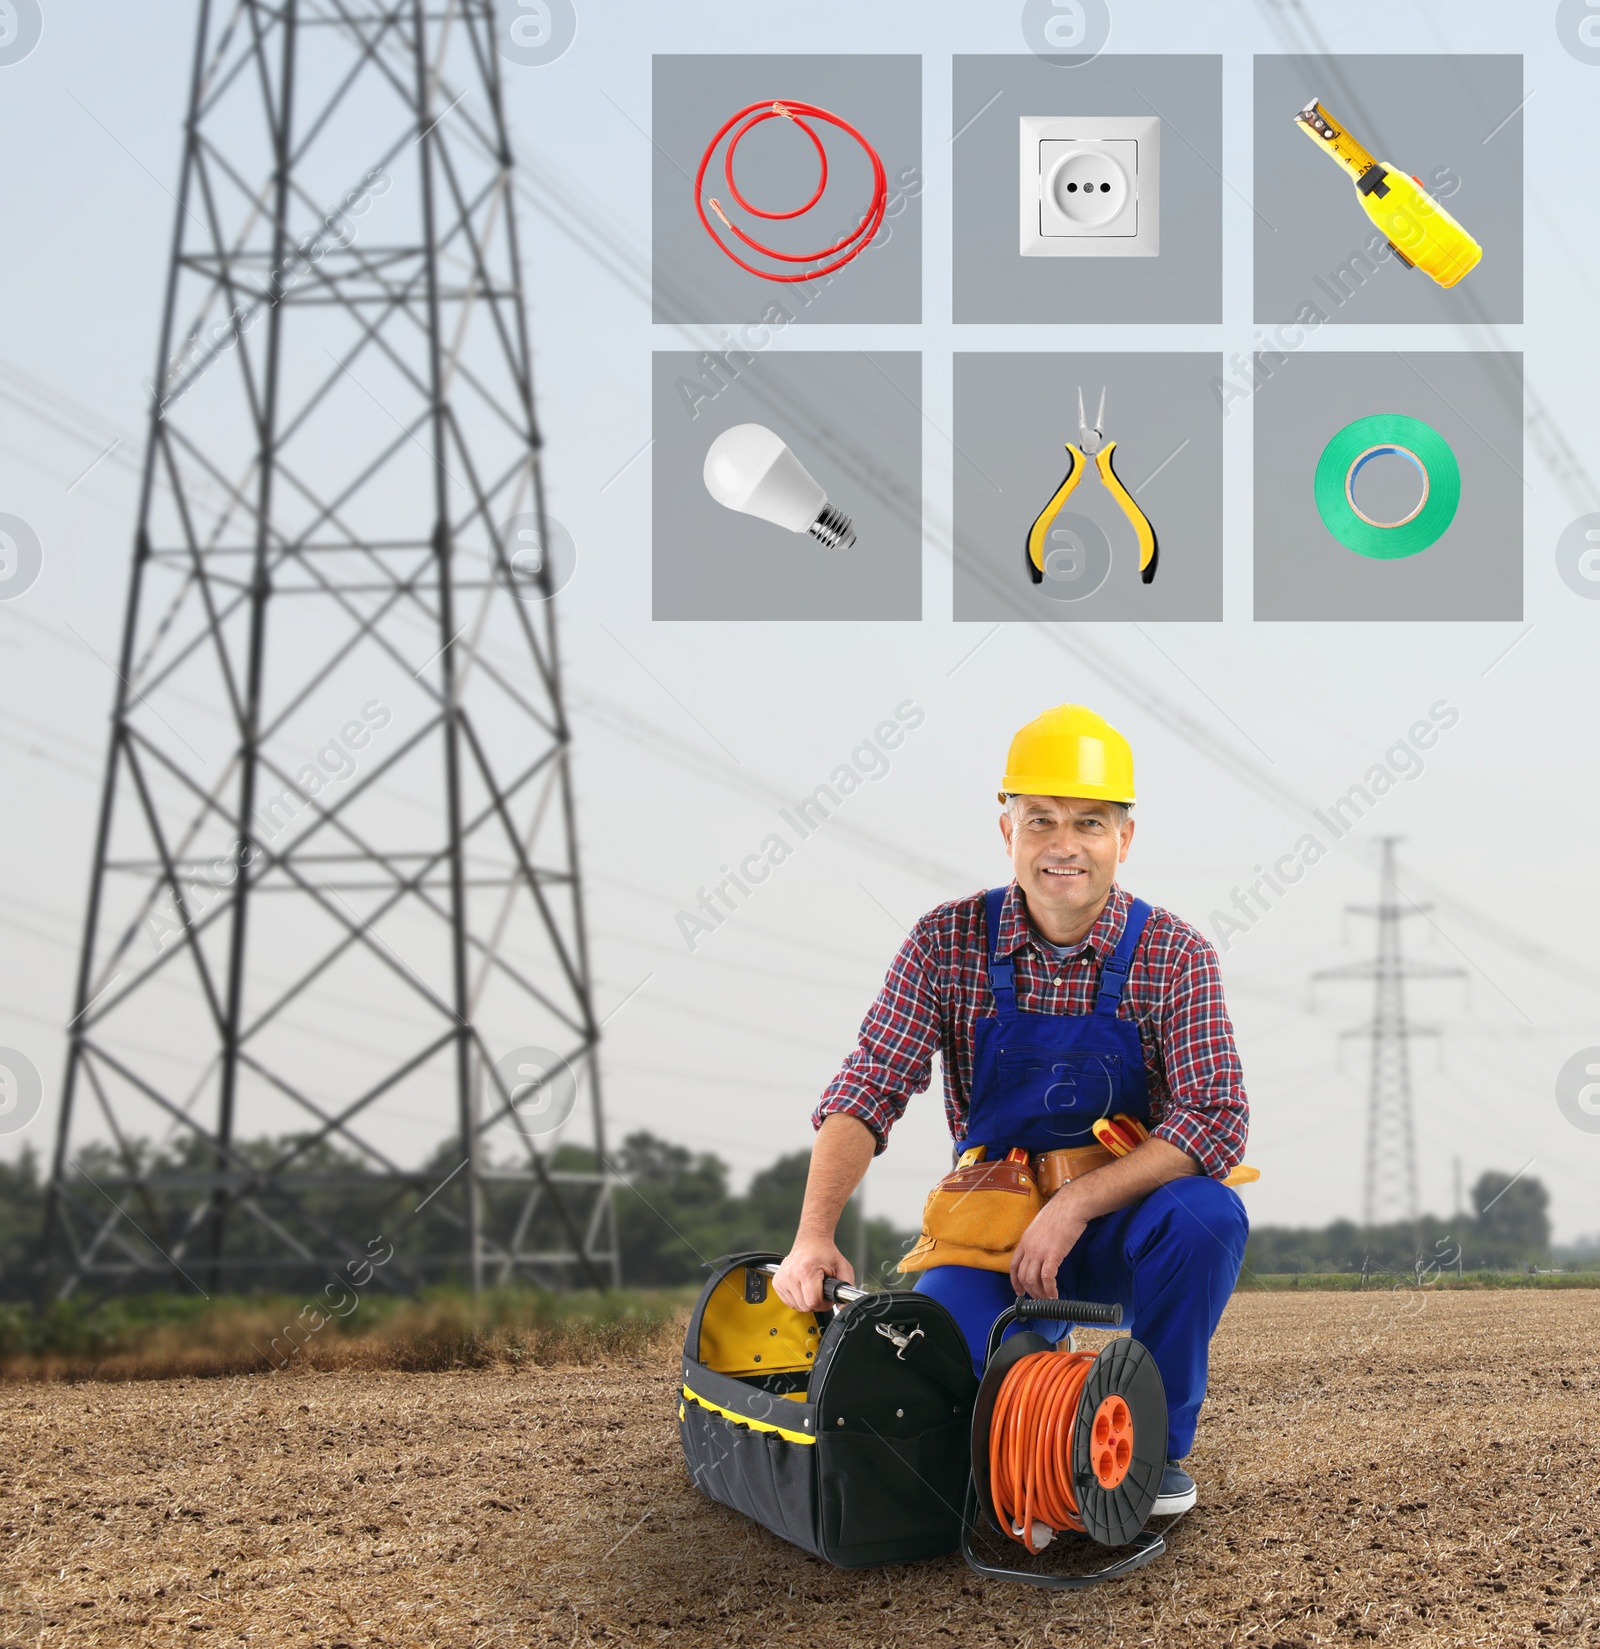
{"points": [[1045, 1244], [799, 1278], [839, 1158], [1059, 1224]]}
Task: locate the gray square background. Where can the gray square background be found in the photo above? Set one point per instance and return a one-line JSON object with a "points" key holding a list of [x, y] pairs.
{"points": [[854, 420], [777, 169], [994, 282], [1012, 414], [1420, 114], [1474, 400]]}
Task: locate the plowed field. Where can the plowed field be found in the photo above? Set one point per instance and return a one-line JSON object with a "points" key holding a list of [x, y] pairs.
{"points": [[1417, 1468]]}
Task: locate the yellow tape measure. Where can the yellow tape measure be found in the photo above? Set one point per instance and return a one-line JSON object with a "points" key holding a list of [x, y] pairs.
{"points": [[1420, 232]]}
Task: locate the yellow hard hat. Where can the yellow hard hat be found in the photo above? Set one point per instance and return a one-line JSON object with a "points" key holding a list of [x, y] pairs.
{"points": [[1069, 751]]}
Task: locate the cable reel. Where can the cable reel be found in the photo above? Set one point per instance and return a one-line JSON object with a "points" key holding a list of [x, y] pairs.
{"points": [[1066, 1441]]}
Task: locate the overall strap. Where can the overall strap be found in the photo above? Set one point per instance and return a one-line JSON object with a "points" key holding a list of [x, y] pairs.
{"points": [[1000, 973], [1114, 970]]}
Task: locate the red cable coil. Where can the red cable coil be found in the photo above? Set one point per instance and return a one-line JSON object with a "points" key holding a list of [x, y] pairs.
{"points": [[850, 245]]}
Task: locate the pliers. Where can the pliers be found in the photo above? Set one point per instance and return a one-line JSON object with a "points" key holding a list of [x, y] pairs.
{"points": [[1122, 1133], [1089, 446]]}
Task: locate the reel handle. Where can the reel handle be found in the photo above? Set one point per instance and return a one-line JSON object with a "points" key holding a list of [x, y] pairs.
{"points": [[1085, 1312], [838, 1293], [1088, 1312]]}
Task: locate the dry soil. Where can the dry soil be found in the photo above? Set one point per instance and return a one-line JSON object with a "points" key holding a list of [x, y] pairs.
{"points": [[1392, 1468]]}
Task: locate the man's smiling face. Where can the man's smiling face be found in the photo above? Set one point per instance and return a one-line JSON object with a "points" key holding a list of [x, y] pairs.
{"points": [[1065, 851]]}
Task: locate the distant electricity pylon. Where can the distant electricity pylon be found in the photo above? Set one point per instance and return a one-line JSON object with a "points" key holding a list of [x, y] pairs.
{"points": [[1389, 1193], [335, 899]]}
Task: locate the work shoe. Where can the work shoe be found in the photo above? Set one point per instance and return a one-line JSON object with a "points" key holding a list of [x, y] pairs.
{"points": [[1177, 1494]]}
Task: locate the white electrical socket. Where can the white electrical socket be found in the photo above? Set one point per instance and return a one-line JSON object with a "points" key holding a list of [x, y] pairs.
{"points": [[1090, 186]]}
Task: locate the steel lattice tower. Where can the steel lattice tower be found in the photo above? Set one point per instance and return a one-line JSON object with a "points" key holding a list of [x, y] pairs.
{"points": [[336, 880], [1389, 1192]]}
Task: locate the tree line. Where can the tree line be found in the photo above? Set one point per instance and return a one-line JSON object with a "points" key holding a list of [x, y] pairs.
{"points": [[675, 1208]]}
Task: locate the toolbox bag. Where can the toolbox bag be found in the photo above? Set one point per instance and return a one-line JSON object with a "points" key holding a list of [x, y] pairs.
{"points": [[847, 1432]]}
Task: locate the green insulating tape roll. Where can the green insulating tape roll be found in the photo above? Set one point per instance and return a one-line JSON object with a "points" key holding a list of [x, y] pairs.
{"points": [[1356, 445]]}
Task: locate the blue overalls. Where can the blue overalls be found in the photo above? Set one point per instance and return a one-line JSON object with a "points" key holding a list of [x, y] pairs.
{"points": [[1039, 1080]]}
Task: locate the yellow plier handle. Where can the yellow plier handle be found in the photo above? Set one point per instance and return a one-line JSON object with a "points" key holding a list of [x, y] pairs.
{"points": [[1149, 550], [1039, 532]]}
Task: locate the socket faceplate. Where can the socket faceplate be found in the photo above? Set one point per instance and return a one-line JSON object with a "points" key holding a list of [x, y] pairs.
{"points": [[1089, 186]]}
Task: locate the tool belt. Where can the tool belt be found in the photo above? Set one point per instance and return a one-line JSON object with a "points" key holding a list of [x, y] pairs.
{"points": [[976, 1214], [1057, 1168]]}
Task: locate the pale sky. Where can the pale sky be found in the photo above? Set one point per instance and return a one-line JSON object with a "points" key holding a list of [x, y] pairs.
{"points": [[726, 1049]]}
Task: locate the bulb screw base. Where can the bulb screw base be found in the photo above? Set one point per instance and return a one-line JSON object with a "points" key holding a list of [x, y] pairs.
{"points": [[832, 529]]}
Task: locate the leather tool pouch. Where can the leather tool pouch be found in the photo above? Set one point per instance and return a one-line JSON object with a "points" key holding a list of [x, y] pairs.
{"points": [[1057, 1168], [977, 1213]]}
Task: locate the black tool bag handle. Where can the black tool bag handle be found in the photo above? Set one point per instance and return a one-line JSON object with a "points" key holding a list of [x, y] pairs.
{"points": [[833, 1291]]}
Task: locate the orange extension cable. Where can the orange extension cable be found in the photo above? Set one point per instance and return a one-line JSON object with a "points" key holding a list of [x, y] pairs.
{"points": [[1030, 1443]]}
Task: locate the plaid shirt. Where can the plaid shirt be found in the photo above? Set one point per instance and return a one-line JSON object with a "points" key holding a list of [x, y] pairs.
{"points": [[938, 986]]}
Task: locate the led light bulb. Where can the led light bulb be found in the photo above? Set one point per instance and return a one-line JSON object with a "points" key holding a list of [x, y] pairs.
{"points": [[748, 468]]}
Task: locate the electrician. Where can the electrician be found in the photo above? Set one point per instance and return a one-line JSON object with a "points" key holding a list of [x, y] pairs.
{"points": [[1055, 1001]]}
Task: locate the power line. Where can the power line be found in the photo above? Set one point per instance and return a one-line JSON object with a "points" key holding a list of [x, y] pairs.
{"points": [[263, 504], [1390, 1179]]}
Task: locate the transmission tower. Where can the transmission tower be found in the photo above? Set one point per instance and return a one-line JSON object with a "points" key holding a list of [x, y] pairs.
{"points": [[1389, 1194], [335, 902]]}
